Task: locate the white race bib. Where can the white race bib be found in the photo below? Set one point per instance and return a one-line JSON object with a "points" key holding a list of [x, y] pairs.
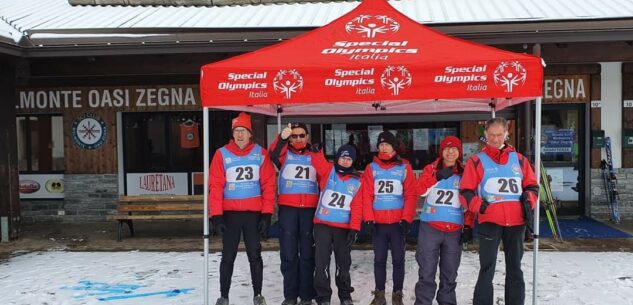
{"points": [[242, 173], [443, 197], [336, 200], [299, 172], [387, 187], [503, 186]]}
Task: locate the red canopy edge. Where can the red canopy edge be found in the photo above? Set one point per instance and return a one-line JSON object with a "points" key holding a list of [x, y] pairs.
{"points": [[373, 54]]}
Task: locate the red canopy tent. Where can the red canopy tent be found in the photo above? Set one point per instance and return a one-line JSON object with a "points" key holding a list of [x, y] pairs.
{"points": [[372, 58]]}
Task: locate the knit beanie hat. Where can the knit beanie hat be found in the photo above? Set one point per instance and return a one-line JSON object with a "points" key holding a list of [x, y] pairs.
{"points": [[242, 120], [346, 151], [387, 137], [451, 141]]}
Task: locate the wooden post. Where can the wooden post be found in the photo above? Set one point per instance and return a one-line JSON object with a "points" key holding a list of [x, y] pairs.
{"points": [[9, 197]]}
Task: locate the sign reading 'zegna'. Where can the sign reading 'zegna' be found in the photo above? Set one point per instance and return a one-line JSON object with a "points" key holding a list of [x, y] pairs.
{"points": [[122, 97]]}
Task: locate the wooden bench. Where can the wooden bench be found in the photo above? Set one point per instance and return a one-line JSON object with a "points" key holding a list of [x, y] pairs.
{"points": [[151, 208]]}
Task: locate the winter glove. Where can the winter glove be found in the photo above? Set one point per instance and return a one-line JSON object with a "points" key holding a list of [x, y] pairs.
{"points": [[218, 224], [444, 173], [467, 235], [370, 227], [351, 237], [405, 227], [528, 213], [484, 206], [264, 224]]}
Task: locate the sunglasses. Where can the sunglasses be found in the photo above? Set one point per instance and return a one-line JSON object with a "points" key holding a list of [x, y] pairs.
{"points": [[295, 136]]}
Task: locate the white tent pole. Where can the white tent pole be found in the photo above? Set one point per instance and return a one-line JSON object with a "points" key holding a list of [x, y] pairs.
{"points": [[205, 125], [537, 165]]}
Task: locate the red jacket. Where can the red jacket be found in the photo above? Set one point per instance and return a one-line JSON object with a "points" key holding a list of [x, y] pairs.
{"points": [[428, 180], [406, 213], [508, 213], [323, 168], [278, 152], [217, 179]]}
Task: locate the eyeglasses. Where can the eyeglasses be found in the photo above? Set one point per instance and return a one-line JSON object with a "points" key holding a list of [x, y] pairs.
{"points": [[240, 130], [295, 136]]}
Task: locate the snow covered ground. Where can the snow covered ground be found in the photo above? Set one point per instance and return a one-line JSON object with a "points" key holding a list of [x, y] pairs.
{"points": [[125, 278]]}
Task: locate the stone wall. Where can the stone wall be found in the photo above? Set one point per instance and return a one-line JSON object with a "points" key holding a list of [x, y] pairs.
{"points": [[599, 207], [89, 198]]}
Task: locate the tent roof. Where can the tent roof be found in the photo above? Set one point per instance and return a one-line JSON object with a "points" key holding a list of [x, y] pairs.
{"points": [[372, 58]]}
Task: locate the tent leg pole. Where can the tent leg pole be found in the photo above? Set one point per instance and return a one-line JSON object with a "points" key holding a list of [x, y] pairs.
{"points": [[206, 124], [537, 166], [278, 120]]}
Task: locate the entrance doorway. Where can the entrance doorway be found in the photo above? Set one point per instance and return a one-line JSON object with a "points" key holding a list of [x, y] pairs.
{"points": [[562, 152]]}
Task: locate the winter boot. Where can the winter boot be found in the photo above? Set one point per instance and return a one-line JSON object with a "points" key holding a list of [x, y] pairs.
{"points": [[347, 302], [305, 302], [324, 303], [259, 300], [379, 298], [222, 301], [396, 298], [289, 302]]}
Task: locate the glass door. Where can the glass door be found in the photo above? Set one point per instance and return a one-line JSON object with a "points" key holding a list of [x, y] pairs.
{"points": [[562, 152]]}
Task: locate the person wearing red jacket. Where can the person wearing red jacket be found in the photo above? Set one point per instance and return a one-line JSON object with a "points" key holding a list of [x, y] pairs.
{"points": [[241, 202], [389, 200], [499, 186], [443, 225], [336, 223], [298, 191]]}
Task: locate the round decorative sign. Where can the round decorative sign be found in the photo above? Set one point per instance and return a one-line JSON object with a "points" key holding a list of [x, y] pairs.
{"points": [[89, 131]]}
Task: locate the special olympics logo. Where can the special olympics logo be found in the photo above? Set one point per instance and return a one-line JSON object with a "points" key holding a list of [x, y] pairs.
{"points": [[510, 74], [288, 82], [89, 131], [370, 25], [395, 79]]}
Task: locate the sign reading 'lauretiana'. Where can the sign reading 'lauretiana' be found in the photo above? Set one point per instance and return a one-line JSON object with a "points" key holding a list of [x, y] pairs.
{"points": [[92, 98]]}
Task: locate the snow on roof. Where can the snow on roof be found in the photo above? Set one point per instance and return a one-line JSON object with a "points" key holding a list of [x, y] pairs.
{"points": [[23, 17]]}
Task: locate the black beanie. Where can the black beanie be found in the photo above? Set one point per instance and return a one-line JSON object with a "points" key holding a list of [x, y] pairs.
{"points": [[388, 137], [294, 125], [346, 151]]}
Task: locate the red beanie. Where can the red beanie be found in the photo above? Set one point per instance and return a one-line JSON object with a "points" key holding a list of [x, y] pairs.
{"points": [[242, 120], [451, 141]]}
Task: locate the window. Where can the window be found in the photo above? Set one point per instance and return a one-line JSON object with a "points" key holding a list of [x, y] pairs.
{"points": [[417, 142], [40, 143], [163, 142]]}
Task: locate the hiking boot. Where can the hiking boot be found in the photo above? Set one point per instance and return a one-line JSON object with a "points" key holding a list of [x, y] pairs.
{"points": [[222, 301], [289, 302], [379, 298], [396, 298], [347, 302], [259, 300]]}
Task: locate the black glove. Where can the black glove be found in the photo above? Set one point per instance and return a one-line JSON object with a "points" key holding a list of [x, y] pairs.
{"points": [[218, 224], [528, 213], [351, 237], [484, 206], [467, 235], [370, 227], [444, 173], [405, 227], [264, 224]]}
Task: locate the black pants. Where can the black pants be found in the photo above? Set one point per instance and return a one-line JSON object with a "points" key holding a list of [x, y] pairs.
{"points": [[490, 235], [238, 223], [327, 239], [388, 236], [296, 244]]}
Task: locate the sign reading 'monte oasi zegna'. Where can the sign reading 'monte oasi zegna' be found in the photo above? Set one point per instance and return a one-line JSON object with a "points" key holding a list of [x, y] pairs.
{"points": [[120, 98]]}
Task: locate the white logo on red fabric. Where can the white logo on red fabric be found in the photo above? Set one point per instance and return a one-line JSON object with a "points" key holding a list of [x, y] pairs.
{"points": [[510, 74], [370, 25], [288, 82], [395, 79]]}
